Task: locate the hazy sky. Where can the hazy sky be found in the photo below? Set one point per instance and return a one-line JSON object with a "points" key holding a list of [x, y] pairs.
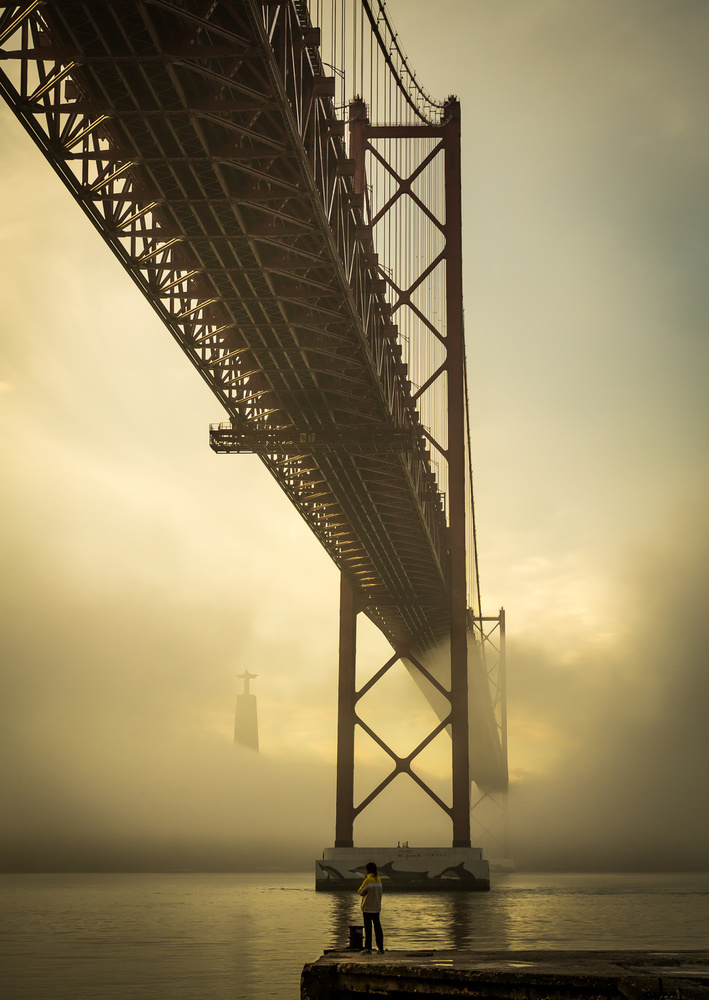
{"points": [[143, 572]]}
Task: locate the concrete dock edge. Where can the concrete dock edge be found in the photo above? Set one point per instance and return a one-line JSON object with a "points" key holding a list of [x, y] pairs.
{"points": [[529, 975]]}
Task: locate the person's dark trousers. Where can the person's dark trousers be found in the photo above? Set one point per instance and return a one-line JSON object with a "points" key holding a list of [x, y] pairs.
{"points": [[372, 920]]}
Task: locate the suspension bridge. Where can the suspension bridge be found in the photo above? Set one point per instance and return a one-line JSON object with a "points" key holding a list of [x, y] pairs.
{"points": [[287, 196]]}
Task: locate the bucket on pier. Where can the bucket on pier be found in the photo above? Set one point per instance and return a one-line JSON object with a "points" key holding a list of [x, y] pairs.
{"points": [[356, 938]]}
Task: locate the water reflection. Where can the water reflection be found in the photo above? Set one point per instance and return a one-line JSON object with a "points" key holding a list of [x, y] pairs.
{"points": [[531, 912], [462, 921], [344, 910], [421, 921], [247, 936]]}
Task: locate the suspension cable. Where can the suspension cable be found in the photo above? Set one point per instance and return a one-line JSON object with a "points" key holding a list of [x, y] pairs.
{"points": [[472, 495], [386, 49]]}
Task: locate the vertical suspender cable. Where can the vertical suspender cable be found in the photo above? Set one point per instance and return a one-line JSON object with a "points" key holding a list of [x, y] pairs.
{"points": [[472, 495]]}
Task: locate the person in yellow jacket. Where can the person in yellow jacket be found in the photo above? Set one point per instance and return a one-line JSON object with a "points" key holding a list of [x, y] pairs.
{"points": [[371, 893]]}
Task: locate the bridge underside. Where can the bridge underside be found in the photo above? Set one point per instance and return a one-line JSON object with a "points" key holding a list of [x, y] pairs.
{"points": [[206, 150]]}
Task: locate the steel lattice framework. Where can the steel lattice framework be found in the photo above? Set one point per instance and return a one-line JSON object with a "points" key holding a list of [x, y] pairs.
{"points": [[207, 153], [203, 142]]}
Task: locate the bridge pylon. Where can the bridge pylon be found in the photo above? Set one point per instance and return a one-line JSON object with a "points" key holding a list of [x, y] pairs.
{"points": [[365, 141]]}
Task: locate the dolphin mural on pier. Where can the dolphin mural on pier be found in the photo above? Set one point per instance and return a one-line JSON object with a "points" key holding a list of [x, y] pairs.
{"points": [[457, 871]]}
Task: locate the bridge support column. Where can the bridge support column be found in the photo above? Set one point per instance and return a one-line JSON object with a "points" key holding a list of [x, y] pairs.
{"points": [[455, 362], [454, 451], [344, 807]]}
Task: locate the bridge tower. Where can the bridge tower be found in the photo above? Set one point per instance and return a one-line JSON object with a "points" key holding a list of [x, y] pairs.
{"points": [[446, 139], [367, 140]]}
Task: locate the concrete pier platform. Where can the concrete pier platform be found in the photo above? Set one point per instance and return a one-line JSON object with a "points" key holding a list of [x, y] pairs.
{"points": [[527, 975], [404, 869]]}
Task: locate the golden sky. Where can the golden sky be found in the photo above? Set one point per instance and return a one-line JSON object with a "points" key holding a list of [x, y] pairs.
{"points": [[143, 572]]}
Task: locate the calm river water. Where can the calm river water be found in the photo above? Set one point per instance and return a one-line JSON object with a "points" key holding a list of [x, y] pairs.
{"points": [[247, 936]]}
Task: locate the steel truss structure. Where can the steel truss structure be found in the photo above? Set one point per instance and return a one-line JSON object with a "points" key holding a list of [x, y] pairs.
{"points": [[446, 144], [202, 141]]}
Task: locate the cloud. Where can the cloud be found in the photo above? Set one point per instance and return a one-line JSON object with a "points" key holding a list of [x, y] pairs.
{"points": [[619, 778]]}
